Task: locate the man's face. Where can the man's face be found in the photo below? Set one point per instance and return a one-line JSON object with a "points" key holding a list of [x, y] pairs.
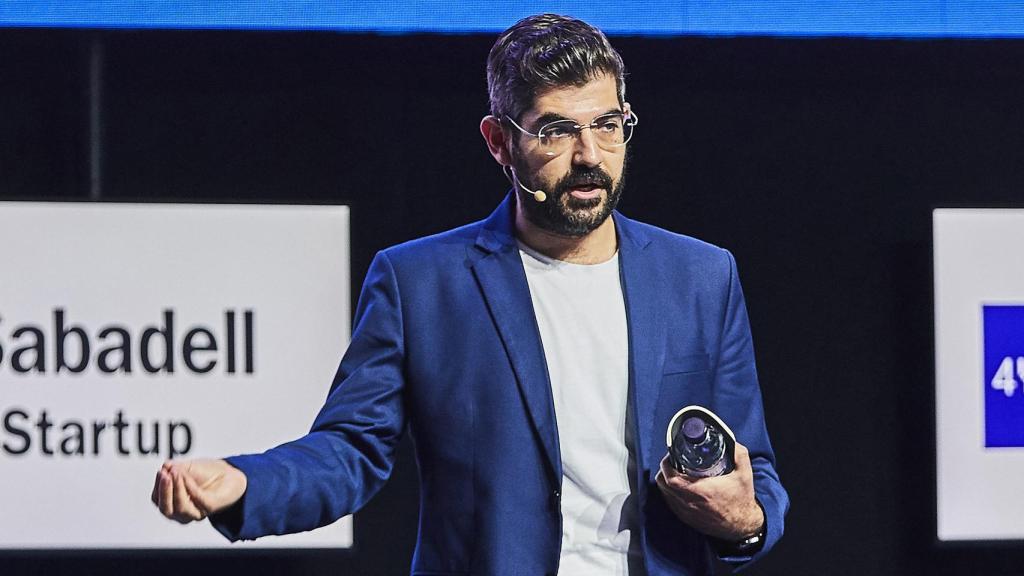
{"points": [[583, 183]]}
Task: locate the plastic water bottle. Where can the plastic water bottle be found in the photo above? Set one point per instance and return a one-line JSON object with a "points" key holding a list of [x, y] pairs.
{"points": [[700, 445]]}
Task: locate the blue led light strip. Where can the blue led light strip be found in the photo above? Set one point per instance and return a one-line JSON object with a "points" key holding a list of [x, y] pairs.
{"points": [[891, 18]]}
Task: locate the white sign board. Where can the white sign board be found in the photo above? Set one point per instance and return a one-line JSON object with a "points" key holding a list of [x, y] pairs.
{"points": [[133, 333], [979, 371]]}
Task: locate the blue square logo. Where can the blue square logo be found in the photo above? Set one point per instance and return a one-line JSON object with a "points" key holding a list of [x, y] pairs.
{"points": [[1004, 376]]}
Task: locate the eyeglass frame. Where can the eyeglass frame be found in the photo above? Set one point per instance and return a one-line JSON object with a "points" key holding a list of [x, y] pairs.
{"points": [[577, 129]]}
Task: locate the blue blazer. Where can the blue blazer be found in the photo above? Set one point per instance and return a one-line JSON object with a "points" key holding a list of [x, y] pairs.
{"points": [[445, 341]]}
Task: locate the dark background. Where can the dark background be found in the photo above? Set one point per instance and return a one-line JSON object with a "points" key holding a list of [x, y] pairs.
{"points": [[815, 161]]}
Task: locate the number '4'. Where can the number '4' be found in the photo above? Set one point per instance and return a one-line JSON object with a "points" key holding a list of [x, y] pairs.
{"points": [[1005, 379]]}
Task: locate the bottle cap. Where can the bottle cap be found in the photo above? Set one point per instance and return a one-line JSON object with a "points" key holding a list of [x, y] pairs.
{"points": [[694, 429]]}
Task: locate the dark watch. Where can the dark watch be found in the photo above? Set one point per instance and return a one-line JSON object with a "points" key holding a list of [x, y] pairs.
{"points": [[750, 544]]}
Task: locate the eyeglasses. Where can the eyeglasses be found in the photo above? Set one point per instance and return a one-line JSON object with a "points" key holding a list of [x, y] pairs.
{"points": [[610, 131]]}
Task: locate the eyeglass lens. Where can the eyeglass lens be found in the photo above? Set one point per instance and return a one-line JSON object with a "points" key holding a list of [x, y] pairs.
{"points": [[611, 131]]}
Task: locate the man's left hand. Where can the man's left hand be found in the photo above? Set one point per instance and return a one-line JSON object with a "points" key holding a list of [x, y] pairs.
{"points": [[721, 506]]}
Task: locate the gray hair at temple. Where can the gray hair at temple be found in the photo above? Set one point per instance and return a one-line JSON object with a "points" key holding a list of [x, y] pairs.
{"points": [[547, 51]]}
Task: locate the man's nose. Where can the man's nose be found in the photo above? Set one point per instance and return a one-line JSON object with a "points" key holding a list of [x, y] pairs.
{"points": [[585, 150]]}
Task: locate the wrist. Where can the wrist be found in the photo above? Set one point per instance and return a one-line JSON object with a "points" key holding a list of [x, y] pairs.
{"points": [[752, 540], [756, 520]]}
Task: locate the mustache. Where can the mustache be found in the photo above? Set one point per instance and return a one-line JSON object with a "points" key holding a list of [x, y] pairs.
{"points": [[585, 176]]}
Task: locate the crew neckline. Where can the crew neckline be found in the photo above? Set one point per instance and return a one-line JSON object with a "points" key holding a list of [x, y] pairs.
{"points": [[549, 261]]}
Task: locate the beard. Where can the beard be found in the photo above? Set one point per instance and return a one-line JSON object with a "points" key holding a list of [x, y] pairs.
{"points": [[562, 213]]}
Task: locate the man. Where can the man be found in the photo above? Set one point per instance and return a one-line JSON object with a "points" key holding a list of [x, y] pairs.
{"points": [[537, 357]]}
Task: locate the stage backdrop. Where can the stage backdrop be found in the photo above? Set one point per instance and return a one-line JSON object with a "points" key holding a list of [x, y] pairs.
{"points": [[130, 334], [816, 162]]}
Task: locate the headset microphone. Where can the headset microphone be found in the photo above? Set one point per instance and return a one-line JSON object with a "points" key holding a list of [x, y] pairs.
{"points": [[538, 195]]}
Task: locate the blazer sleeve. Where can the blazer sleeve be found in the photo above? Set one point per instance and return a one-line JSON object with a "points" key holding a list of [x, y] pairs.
{"points": [[738, 397], [348, 454]]}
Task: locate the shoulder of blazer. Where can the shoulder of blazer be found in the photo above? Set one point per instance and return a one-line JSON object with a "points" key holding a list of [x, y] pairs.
{"points": [[674, 251]]}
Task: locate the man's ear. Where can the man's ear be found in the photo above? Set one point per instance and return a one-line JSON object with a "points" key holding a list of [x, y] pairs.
{"points": [[497, 140]]}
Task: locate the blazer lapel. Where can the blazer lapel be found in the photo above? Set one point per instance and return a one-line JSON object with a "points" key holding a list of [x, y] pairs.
{"points": [[499, 271], [643, 290]]}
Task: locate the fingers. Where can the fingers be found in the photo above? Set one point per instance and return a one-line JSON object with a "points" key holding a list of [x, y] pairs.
{"points": [[160, 488], [674, 478], [668, 470], [692, 489], [742, 457], [166, 503], [680, 488], [663, 485], [744, 468], [172, 496], [184, 510]]}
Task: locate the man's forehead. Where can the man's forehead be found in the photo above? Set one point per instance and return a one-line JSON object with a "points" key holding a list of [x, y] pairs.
{"points": [[580, 103]]}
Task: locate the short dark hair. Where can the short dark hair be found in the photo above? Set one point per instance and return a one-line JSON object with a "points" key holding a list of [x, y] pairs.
{"points": [[548, 51]]}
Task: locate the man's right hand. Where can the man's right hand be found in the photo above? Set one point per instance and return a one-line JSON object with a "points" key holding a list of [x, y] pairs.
{"points": [[191, 490]]}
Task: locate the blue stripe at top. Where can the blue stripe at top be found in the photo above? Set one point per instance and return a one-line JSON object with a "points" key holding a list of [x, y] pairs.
{"points": [[873, 18]]}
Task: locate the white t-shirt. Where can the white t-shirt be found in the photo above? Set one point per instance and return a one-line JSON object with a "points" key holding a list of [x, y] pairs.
{"points": [[582, 320]]}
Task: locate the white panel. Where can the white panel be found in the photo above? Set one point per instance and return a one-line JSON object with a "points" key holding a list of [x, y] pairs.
{"points": [[125, 265], [979, 261]]}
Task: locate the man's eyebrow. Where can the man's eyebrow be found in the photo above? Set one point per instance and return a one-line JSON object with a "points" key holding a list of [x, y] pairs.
{"points": [[609, 112], [549, 117]]}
